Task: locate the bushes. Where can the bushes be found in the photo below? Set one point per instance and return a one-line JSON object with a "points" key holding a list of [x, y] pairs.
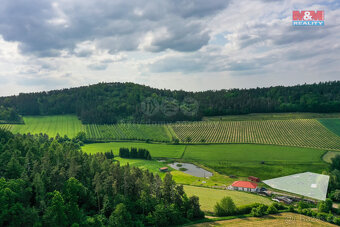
{"points": [[246, 209], [272, 209], [325, 206], [336, 220], [225, 207], [259, 211]]}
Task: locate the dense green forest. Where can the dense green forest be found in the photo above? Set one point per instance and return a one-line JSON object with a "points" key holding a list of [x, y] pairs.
{"points": [[9, 115], [50, 182], [111, 102]]}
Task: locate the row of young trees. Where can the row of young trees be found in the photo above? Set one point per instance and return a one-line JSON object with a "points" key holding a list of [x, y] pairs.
{"points": [[107, 103], [46, 182], [140, 153]]}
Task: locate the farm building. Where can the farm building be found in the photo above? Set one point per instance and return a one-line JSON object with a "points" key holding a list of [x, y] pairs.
{"points": [[164, 169], [246, 186], [255, 179]]}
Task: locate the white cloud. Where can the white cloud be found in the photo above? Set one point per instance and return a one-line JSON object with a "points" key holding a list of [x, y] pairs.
{"points": [[194, 46]]}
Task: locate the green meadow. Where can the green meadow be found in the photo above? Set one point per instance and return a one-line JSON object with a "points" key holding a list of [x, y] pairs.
{"points": [[209, 197], [264, 161], [332, 124], [156, 150], [51, 125], [242, 160]]}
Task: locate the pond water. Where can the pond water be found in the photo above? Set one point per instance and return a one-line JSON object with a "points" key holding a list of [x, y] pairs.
{"points": [[191, 169]]}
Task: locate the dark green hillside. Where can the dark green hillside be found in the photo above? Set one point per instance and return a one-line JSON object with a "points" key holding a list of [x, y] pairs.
{"points": [[106, 103]]}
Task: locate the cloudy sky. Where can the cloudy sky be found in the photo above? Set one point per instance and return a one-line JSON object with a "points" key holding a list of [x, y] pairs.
{"points": [[188, 44]]}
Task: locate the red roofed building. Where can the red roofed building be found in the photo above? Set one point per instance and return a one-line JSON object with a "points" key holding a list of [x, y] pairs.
{"points": [[246, 186], [252, 178]]}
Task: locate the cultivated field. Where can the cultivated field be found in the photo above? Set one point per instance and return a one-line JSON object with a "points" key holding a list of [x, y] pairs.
{"points": [[332, 124], [209, 197], [275, 220], [127, 132], [298, 132], [266, 161], [272, 116], [156, 150], [51, 125], [6, 127]]}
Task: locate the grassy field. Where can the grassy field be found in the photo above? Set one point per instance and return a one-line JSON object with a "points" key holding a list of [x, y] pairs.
{"points": [[246, 159], [209, 197], [51, 125], [156, 150], [272, 116], [329, 155], [332, 124], [243, 160], [276, 220], [299, 132], [154, 132]]}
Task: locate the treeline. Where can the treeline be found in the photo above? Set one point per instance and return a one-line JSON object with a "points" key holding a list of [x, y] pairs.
{"points": [[107, 103], [50, 182], [323, 211], [140, 153], [334, 179], [9, 115]]}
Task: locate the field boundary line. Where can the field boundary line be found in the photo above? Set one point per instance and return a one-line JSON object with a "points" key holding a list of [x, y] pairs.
{"points": [[185, 148]]}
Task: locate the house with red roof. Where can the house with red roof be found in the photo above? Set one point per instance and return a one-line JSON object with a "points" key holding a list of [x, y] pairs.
{"points": [[246, 186]]}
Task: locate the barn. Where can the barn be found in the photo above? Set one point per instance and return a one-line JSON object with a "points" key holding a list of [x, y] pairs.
{"points": [[255, 179], [246, 186]]}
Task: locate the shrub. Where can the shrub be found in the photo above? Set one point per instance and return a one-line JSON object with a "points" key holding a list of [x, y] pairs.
{"points": [[279, 206], [272, 209], [336, 195], [183, 169], [291, 208], [322, 216], [225, 207], [336, 220], [246, 209], [325, 206], [330, 217], [259, 211]]}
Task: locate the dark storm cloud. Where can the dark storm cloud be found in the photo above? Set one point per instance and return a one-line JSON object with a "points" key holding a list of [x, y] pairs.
{"points": [[44, 28]]}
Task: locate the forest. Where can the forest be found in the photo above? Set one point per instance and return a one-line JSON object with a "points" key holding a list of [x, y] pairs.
{"points": [[107, 103], [51, 182], [9, 115]]}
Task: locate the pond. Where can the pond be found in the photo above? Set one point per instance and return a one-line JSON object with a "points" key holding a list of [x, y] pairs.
{"points": [[191, 169]]}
